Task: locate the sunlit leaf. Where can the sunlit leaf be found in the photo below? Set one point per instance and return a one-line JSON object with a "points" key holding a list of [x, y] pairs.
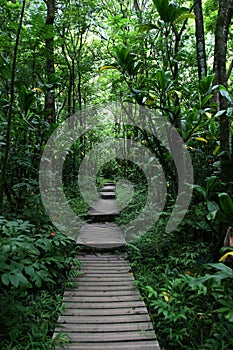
{"points": [[219, 113], [201, 139], [225, 256], [37, 89], [101, 69], [166, 296], [215, 151]]}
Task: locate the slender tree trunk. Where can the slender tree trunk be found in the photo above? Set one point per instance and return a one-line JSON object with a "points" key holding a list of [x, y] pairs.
{"points": [[9, 115], [200, 40], [50, 69], [225, 14]]}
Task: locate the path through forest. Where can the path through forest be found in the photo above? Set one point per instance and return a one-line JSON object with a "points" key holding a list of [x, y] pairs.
{"points": [[104, 310]]}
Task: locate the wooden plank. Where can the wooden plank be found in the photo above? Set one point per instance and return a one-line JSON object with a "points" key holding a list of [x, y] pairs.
{"points": [[124, 311], [127, 286], [107, 319], [105, 267], [101, 235], [99, 293], [111, 336], [139, 345], [106, 280], [103, 272], [107, 195], [103, 305], [103, 284], [109, 183], [101, 257], [111, 327], [104, 207], [104, 264], [108, 188], [101, 298]]}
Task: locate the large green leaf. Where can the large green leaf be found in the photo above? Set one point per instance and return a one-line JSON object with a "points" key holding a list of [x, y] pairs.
{"points": [[226, 204], [170, 13], [183, 17]]}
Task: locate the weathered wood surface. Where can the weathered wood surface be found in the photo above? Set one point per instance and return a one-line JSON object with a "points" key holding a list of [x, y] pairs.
{"points": [[104, 207], [105, 310], [105, 210], [109, 184], [101, 235], [107, 195], [108, 188]]}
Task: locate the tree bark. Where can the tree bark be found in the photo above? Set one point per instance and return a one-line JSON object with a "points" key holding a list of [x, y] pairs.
{"points": [[200, 40], [50, 68], [225, 13]]}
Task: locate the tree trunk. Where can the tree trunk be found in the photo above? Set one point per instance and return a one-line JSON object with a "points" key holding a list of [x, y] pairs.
{"points": [[225, 13], [50, 69], [200, 40], [9, 114]]}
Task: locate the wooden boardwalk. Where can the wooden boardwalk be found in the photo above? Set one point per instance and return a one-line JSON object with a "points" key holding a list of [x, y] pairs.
{"points": [[104, 310], [101, 235]]}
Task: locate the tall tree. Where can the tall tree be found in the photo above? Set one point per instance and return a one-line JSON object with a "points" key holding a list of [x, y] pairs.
{"points": [[200, 40], [50, 67], [225, 13], [10, 109]]}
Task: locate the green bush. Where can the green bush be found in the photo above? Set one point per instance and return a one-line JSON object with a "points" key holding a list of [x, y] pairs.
{"points": [[34, 271], [189, 299]]}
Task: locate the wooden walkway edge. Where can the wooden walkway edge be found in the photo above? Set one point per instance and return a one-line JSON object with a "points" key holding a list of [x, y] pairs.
{"points": [[104, 310]]}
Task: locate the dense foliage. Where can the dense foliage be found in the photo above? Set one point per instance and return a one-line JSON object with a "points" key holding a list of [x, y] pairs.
{"points": [[59, 57]]}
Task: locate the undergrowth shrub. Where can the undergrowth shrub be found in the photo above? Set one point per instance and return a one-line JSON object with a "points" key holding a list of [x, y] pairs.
{"points": [[35, 267], [188, 311], [188, 296]]}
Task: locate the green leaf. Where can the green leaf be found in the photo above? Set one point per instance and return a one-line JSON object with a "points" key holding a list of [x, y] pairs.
{"points": [[183, 17], [223, 91], [212, 206], [221, 267], [219, 113], [161, 79], [211, 182], [14, 279], [30, 270], [5, 279], [226, 204], [205, 100], [200, 190], [205, 85], [146, 27], [213, 209], [196, 281]]}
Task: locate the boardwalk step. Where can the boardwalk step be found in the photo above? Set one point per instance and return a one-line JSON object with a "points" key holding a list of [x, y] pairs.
{"points": [[110, 336], [107, 195], [101, 235], [139, 345], [111, 327], [111, 313], [108, 188]]}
